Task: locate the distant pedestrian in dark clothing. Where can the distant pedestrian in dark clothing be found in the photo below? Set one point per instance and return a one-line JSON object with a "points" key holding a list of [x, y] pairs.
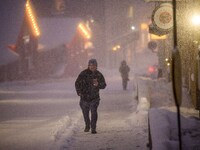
{"points": [[88, 84], [124, 70]]}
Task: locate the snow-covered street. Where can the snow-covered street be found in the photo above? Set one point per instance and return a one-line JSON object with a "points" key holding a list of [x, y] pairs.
{"points": [[65, 66], [35, 113], [45, 115]]}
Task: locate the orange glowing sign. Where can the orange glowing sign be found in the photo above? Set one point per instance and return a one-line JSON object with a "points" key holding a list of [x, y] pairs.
{"points": [[84, 30], [156, 37], [32, 19]]}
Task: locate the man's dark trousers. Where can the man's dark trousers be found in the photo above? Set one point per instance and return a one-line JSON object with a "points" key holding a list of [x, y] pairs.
{"points": [[86, 108]]}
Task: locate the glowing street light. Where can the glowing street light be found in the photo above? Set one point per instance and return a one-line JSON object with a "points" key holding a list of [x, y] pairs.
{"points": [[115, 48], [196, 20], [133, 28]]}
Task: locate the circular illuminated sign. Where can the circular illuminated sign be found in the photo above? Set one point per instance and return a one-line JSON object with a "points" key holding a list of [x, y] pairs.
{"points": [[163, 17]]}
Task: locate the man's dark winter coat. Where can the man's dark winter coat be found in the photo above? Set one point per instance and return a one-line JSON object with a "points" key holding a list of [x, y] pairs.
{"points": [[84, 85]]}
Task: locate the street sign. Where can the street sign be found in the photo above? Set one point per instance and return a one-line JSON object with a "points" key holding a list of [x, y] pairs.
{"points": [[162, 17]]}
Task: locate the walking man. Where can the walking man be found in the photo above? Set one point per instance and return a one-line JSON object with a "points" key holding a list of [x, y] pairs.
{"points": [[87, 85], [124, 70]]}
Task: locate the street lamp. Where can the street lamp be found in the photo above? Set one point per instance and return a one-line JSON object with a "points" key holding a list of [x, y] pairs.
{"points": [[196, 20], [116, 47], [133, 28]]}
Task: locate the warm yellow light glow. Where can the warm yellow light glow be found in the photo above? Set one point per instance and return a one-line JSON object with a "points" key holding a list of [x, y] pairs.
{"points": [[144, 26], [196, 20], [92, 20], [88, 45], [116, 47], [156, 37], [84, 31], [31, 17]]}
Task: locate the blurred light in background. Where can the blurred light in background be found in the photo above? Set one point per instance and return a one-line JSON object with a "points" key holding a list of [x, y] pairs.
{"points": [[88, 45], [84, 31], [116, 47], [196, 20], [144, 26], [167, 61], [31, 19], [156, 37], [133, 28]]}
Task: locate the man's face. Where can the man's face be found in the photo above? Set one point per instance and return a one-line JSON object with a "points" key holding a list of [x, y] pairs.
{"points": [[92, 67]]}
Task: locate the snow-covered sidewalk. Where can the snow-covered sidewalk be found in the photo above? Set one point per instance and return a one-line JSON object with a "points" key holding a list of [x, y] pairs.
{"points": [[163, 119], [164, 131], [119, 125]]}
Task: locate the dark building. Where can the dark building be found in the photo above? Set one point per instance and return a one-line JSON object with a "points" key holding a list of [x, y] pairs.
{"points": [[40, 44]]}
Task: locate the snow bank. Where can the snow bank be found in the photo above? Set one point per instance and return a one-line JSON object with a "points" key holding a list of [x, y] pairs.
{"points": [[143, 104], [140, 116], [143, 95], [163, 117], [64, 130], [164, 132], [60, 127]]}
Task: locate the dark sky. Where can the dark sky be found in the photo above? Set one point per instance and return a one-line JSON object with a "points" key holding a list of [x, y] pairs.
{"points": [[11, 16], [73, 8]]}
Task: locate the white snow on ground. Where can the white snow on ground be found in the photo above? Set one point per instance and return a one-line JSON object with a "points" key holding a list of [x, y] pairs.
{"points": [[34, 114], [115, 127], [163, 119], [45, 115]]}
